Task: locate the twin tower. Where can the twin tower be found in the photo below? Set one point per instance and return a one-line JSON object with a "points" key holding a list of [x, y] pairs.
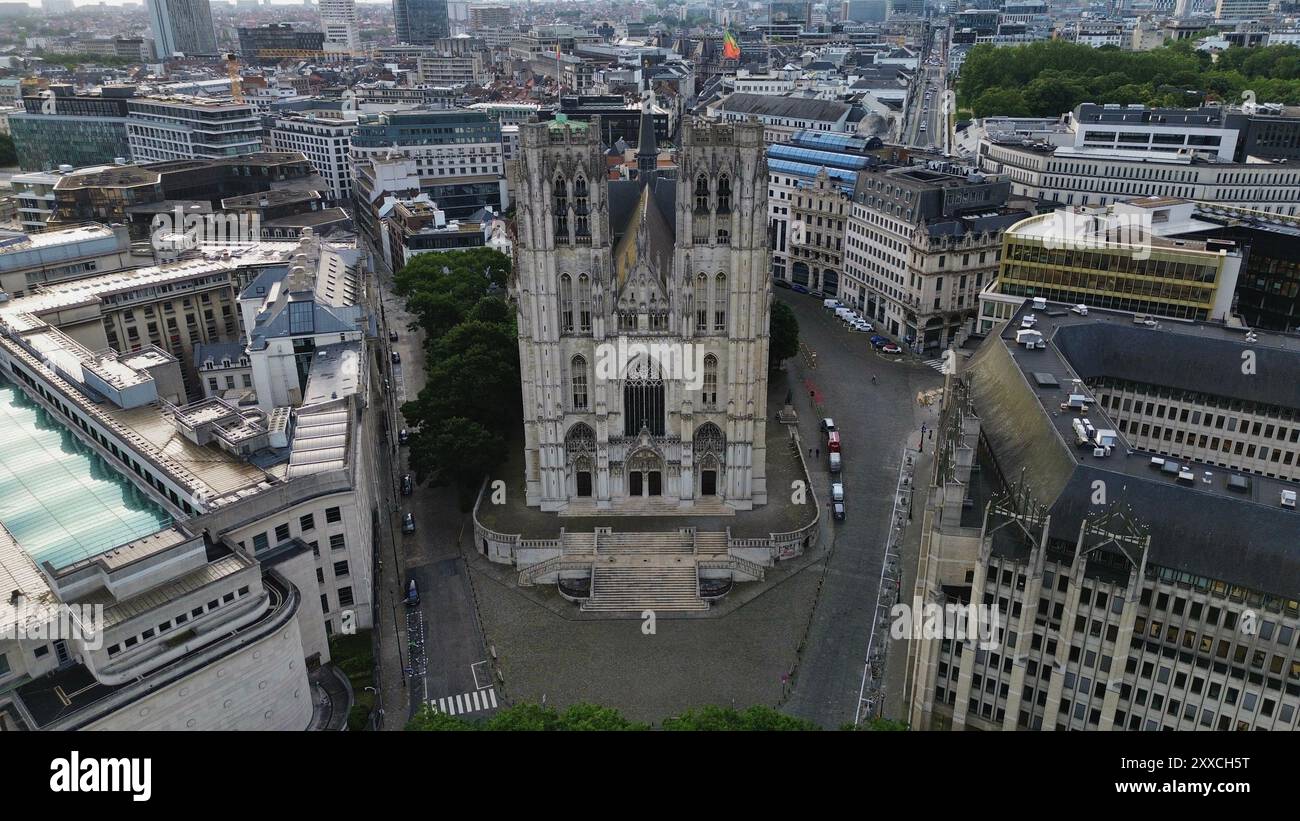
{"points": [[643, 320]]}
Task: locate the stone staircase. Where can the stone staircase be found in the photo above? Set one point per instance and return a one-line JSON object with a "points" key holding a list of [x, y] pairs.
{"points": [[674, 543], [638, 583], [579, 544], [711, 543], [649, 506]]}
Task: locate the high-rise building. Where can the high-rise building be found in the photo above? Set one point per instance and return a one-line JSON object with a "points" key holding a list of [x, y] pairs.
{"points": [[57, 127], [420, 21], [182, 27], [338, 19]]}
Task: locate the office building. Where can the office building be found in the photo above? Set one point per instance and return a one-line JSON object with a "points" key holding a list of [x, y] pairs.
{"points": [[1128, 518], [188, 128], [181, 27], [323, 134], [278, 37], [420, 22], [58, 127], [338, 19]]}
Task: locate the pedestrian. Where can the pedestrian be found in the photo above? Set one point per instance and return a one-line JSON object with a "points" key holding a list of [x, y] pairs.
{"points": [[810, 452], [873, 379], [819, 453]]}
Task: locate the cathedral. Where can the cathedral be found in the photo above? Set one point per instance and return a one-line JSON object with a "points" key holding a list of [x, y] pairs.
{"points": [[643, 321]]}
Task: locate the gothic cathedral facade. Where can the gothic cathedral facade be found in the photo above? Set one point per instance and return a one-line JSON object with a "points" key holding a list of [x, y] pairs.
{"points": [[643, 312]]}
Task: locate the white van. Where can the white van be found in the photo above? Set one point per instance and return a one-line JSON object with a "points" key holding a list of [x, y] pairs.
{"points": [[844, 313], [832, 303], [837, 492]]}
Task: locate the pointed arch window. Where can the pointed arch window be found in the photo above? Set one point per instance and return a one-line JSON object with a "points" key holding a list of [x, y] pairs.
{"points": [[582, 225], [578, 382], [710, 398], [720, 304], [584, 304], [702, 303], [701, 193], [566, 304], [561, 194], [724, 195]]}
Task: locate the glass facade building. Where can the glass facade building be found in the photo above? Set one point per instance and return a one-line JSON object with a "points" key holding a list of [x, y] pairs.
{"points": [[420, 22]]}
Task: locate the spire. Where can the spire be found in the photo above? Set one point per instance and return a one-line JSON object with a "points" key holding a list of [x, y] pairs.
{"points": [[647, 148]]}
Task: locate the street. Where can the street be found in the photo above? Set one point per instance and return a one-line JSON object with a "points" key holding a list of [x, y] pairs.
{"points": [[876, 421]]}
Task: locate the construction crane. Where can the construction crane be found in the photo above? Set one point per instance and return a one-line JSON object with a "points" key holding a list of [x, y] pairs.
{"points": [[232, 70]]}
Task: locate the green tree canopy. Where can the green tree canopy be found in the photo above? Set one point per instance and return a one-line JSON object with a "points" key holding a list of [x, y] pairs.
{"points": [[784, 334], [730, 719]]}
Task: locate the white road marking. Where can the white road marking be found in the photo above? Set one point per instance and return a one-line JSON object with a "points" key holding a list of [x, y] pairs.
{"points": [[474, 701]]}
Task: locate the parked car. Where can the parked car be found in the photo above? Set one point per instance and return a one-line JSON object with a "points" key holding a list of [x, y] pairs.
{"points": [[833, 441], [835, 461], [781, 283], [799, 289], [890, 348], [837, 511], [403, 437], [397, 358], [408, 523], [392, 336], [832, 304], [879, 340], [408, 485], [862, 326], [837, 492], [412, 594], [828, 425]]}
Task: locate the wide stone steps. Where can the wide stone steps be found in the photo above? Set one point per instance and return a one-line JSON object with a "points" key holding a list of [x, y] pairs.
{"points": [[625, 544], [711, 543], [580, 543], [649, 506], [635, 585]]}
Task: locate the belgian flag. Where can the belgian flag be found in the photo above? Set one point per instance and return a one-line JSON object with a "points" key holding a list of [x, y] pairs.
{"points": [[730, 48]]}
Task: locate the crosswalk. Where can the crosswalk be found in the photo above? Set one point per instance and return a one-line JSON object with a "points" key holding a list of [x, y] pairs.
{"points": [[474, 701], [937, 364]]}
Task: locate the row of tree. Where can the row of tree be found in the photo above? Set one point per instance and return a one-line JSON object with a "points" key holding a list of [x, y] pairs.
{"points": [[531, 717], [1047, 79], [462, 417]]}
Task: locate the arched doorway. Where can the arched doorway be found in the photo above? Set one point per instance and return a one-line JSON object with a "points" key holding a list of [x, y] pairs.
{"points": [[579, 453], [645, 474], [709, 451], [799, 273]]}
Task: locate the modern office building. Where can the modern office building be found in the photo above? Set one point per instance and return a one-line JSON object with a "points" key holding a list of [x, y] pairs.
{"points": [[34, 192], [58, 127], [457, 155], [1124, 257], [182, 27], [338, 19], [278, 37], [215, 548], [1124, 522], [420, 22], [188, 128], [322, 134]]}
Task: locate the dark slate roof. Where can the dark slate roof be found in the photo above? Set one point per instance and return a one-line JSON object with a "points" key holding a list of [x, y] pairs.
{"points": [[795, 107], [1244, 538]]}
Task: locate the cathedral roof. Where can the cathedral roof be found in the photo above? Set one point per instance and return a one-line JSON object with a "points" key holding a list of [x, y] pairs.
{"points": [[646, 234]]}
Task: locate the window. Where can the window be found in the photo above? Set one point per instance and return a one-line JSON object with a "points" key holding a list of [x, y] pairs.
{"points": [[325, 605], [259, 543], [720, 304], [345, 596], [566, 304], [340, 569], [701, 193], [333, 515], [337, 542], [281, 534], [578, 378], [307, 522], [584, 304], [561, 195], [710, 398], [701, 303], [724, 195]]}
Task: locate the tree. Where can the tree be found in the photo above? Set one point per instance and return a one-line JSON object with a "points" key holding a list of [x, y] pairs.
{"points": [[783, 341], [430, 720], [8, 153], [1000, 102], [715, 719]]}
